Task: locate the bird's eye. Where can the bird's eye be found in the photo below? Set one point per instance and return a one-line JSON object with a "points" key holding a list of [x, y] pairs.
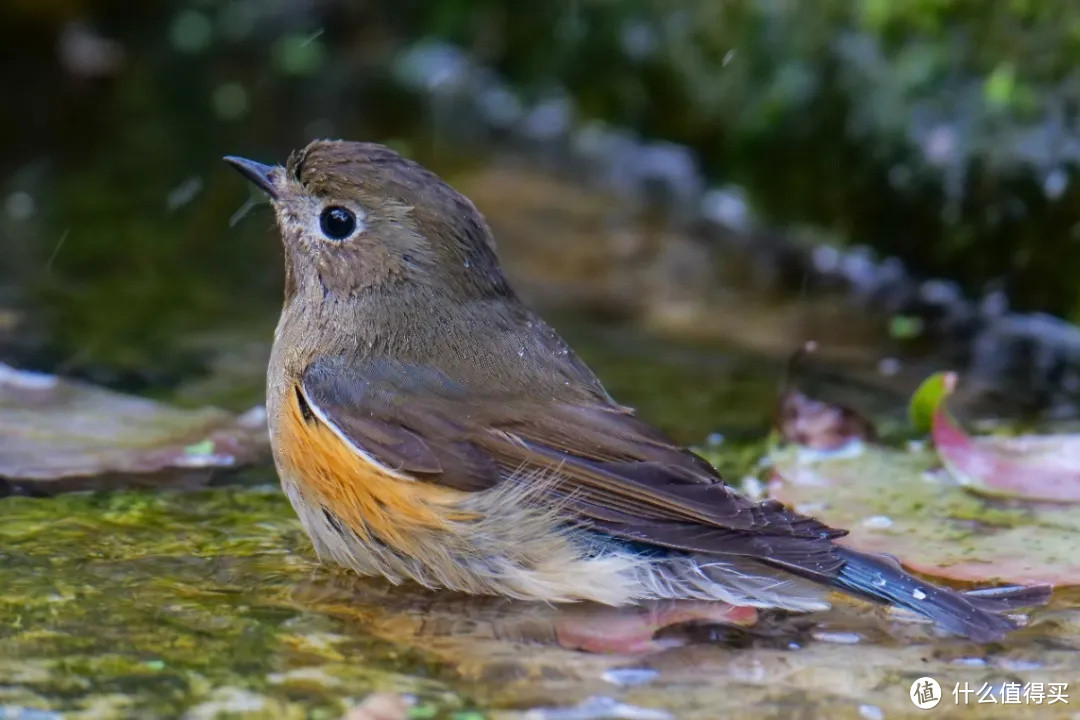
{"points": [[337, 223]]}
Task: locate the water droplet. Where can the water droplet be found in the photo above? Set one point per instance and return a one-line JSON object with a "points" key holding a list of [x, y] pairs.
{"points": [[878, 522], [918, 594]]}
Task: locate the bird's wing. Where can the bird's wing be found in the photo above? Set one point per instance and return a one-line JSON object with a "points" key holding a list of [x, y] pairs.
{"points": [[611, 471]]}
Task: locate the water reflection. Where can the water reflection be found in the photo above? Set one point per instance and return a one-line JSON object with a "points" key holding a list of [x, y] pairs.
{"points": [[588, 627], [696, 660]]}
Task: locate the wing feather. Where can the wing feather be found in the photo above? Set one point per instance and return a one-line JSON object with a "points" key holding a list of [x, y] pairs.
{"points": [[612, 471]]}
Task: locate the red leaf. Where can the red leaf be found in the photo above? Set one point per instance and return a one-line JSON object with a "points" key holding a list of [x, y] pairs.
{"points": [[1034, 467]]}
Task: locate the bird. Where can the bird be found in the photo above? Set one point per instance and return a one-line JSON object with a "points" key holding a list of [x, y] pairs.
{"points": [[428, 426]]}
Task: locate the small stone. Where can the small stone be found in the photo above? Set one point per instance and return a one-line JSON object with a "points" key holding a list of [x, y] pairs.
{"points": [[630, 676]]}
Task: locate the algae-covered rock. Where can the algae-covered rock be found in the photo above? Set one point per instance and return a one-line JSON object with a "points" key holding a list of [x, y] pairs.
{"points": [[58, 435], [895, 502]]}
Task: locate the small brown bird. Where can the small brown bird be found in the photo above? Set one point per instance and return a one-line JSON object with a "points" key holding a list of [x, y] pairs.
{"points": [[427, 426]]}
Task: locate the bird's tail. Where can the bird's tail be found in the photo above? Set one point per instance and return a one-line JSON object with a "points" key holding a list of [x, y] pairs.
{"points": [[979, 614]]}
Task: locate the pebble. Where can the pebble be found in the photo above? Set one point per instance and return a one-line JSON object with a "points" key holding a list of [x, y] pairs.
{"points": [[630, 676]]}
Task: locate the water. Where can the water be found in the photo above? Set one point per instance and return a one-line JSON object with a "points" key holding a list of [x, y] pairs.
{"points": [[160, 604], [121, 266]]}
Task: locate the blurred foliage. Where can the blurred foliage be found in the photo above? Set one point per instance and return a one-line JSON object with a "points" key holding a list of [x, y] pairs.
{"points": [[942, 131]]}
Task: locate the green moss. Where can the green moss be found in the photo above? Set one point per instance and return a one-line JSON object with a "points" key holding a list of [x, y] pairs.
{"points": [[933, 523], [173, 600]]}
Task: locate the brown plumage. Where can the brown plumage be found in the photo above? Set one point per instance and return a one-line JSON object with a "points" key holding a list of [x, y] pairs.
{"points": [[428, 426]]}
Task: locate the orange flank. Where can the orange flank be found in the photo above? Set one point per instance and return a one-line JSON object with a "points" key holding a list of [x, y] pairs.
{"points": [[368, 497]]}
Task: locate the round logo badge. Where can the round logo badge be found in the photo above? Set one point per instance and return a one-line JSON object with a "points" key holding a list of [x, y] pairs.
{"points": [[925, 693]]}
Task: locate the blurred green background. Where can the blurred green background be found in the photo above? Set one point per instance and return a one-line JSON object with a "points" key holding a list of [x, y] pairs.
{"points": [[944, 132]]}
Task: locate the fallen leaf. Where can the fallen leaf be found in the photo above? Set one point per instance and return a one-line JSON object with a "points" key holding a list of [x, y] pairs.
{"points": [[819, 425], [894, 502], [1034, 467], [928, 398], [59, 435]]}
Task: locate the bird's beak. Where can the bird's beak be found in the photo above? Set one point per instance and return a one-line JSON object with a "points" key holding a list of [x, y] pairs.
{"points": [[255, 172]]}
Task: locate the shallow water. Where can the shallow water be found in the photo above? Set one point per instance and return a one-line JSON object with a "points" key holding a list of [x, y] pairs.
{"points": [[131, 259], [211, 604]]}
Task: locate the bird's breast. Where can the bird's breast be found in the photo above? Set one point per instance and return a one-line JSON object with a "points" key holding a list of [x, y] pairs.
{"points": [[374, 501]]}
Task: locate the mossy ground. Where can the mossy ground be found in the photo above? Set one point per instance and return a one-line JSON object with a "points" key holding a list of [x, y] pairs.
{"points": [[154, 604]]}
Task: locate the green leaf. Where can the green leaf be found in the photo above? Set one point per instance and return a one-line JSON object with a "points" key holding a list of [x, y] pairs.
{"points": [[205, 447], [1000, 87], [930, 394], [905, 327]]}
